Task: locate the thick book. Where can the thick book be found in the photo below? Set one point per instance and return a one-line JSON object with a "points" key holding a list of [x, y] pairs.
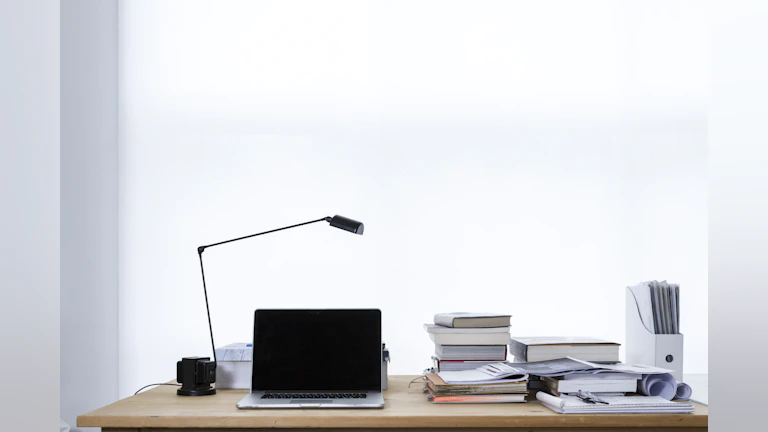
{"points": [[532, 349], [590, 385], [472, 319], [469, 338], [438, 386], [471, 352]]}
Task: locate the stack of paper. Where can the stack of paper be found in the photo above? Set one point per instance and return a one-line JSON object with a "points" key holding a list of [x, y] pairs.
{"points": [[491, 374], [569, 366], [458, 365], [615, 405]]}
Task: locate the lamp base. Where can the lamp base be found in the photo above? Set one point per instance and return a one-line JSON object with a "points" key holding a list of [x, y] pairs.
{"points": [[196, 391]]}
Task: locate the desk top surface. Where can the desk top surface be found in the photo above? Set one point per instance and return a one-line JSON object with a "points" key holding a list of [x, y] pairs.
{"points": [[404, 408]]}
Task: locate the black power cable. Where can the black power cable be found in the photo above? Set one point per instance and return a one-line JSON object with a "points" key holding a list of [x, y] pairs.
{"points": [[150, 385]]}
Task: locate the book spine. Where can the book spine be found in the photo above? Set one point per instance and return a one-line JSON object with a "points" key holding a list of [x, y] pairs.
{"points": [[519, 350]]}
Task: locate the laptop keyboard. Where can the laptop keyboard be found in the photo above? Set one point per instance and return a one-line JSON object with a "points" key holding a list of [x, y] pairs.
{"points": [[314, 396]]}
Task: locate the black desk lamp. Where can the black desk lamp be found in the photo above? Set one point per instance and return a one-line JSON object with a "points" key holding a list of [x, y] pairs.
{"points": [[197, 373]]}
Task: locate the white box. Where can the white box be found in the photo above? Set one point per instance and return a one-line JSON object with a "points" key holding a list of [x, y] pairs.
{"points": [[233, 366], [647, 348]]}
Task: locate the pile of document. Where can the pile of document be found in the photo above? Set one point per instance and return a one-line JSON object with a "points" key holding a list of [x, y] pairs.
{"points": [[656, 387], [659, 306], [652, 389]]}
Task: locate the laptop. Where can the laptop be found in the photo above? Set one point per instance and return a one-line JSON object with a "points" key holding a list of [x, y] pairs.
{"points": [[316, 359]]}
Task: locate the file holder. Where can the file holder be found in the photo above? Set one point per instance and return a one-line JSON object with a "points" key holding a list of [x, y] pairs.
{"points": [[644, 347]]}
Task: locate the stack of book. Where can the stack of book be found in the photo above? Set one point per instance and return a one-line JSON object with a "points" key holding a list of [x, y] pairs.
{"points": [[466, 340], [492, 392]]}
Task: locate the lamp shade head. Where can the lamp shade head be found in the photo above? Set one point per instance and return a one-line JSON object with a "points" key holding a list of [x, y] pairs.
{"points": [[347, 224]]}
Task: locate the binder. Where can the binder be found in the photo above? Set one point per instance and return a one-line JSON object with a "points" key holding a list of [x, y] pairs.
{"points": [[645, 347]]}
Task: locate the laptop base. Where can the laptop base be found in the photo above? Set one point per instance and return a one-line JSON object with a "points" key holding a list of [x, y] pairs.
{"points": [[255, 400]]}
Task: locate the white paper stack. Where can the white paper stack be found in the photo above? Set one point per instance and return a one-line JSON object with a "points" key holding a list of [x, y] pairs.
{"points": [[493, 373]]}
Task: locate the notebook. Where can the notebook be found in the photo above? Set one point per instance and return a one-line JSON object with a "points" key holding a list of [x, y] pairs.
{"points": [[616, 405]]}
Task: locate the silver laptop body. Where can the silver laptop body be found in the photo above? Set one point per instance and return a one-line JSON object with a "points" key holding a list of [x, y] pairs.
{"points": [[316, 359], [329, 399]]}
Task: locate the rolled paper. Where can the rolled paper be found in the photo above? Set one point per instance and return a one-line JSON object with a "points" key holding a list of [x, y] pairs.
{"points": [[683, 391], [662, 385]]}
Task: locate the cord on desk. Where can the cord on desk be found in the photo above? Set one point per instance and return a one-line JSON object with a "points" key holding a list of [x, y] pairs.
{"points": [[150, 385], [422, 377]]}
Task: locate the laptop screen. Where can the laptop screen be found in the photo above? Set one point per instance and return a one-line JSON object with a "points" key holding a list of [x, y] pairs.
{"points": [[317, 350]]}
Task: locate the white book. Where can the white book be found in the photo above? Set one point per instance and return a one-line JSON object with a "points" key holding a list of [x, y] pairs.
{"points": [[471, 352], [590, 385], [472, 319], [434, 328], [470, 339]]}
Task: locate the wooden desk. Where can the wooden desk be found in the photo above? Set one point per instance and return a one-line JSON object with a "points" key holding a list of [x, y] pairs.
{"points": [[160, 409]]}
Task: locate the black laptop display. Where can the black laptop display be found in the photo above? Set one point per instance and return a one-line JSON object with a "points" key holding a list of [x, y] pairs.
{"points": [[306, 350]]}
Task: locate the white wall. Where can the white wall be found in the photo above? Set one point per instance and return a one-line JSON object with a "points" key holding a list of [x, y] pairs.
{"points": [[525, 157], [738, 208], [89, 346], [29, 215]]}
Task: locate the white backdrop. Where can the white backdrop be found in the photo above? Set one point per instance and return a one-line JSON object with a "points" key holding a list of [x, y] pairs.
{"points": [[525, 157]]}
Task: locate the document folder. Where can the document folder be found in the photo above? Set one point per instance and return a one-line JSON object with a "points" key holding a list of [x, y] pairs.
{"points": [[643, 346]]}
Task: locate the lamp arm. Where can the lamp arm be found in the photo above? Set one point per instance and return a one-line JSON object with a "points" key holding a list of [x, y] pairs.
{"points": [[200, 251]]}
